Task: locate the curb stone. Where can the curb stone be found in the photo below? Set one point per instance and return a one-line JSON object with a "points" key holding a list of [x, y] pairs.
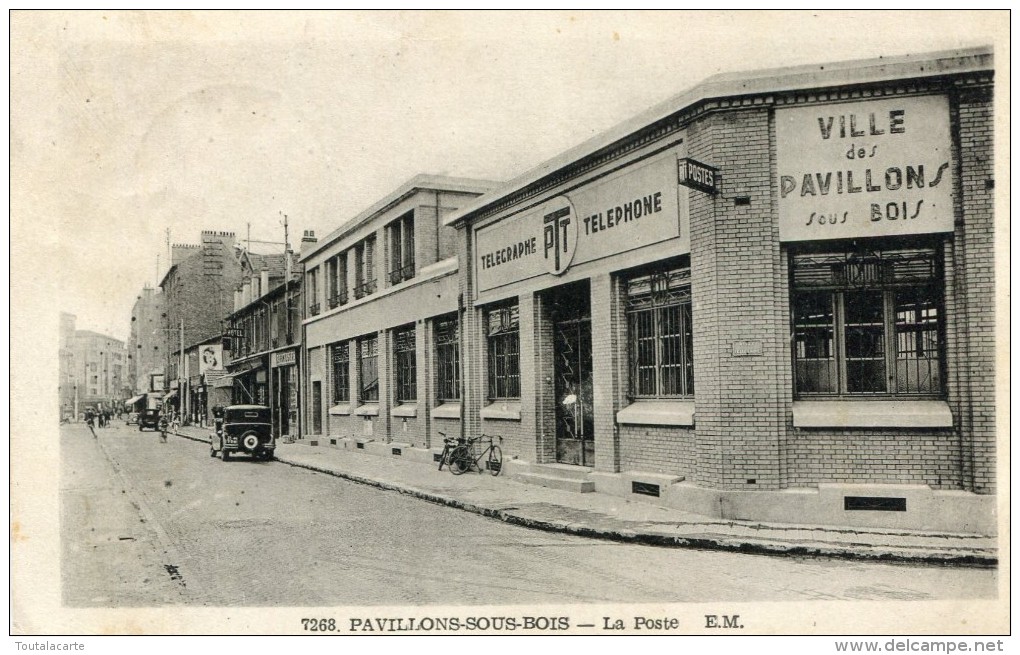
{"points": [[858, 552]]}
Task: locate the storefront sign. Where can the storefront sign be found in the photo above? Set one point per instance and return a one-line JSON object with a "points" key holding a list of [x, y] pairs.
{"points": [[697, 176], [286, 358], [861, 169], [633, 208]]}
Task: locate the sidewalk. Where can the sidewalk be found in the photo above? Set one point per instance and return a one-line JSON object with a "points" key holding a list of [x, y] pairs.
{"points": [[603, 516]]}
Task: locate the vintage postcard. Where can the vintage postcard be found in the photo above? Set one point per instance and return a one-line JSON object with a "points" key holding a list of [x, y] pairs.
{"points": [[510, 323]]}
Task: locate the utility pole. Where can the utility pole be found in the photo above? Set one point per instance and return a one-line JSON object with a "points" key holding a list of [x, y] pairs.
{"points": [[286, 309], [180, 375]]}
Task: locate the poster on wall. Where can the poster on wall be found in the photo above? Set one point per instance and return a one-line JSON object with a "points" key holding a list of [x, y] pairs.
{"points": [[862, 169], [210, 358]]}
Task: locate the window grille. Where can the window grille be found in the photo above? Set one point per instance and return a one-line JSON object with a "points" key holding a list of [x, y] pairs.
{"points": [[341, 373], [404, 360], [660, 334], [868, 322], [401, 234], [447, 359], [503, 336], [369, 369], [364, 260]]}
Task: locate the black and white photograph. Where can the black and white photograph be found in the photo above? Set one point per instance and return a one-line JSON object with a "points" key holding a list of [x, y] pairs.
{"points": [[515, 323]]}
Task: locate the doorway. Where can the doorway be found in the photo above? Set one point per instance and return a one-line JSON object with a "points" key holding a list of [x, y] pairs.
{"points": [[570, 310]]}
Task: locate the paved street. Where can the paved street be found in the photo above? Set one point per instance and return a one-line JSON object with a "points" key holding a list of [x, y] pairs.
{"points": [[146, 523]]}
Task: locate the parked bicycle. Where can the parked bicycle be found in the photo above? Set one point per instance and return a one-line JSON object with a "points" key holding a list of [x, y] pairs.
{"points": [[462, 458], [449, 445]]}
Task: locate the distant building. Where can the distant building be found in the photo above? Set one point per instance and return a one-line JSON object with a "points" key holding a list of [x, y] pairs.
{"points": [[198, 294], [95, 373], [147, 343], [265, 335], [67, 382]]}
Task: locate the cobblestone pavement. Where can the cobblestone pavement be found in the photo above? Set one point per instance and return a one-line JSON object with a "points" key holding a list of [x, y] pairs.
{"points": [[148, 523]]}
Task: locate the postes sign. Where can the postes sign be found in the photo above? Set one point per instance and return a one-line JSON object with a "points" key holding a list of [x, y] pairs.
{"points": [[870, 168], [695, 175], [635, 207]]}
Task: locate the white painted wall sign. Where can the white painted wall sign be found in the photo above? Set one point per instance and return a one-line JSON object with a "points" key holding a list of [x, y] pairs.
{"points": [[635, 207], [860, 169]]}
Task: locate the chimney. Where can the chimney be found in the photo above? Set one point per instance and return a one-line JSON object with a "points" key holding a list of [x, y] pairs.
{"points": [[308, 240], [264, 283], [246, 293], [237, 299]]}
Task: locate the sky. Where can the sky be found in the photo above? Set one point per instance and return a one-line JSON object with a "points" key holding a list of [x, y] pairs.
{"points": [[127, 123]]}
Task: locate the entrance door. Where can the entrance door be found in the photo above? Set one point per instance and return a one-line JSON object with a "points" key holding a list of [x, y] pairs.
{"points": [[575, 415]]}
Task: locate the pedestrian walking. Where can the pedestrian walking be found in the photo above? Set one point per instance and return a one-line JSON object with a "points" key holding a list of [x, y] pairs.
{"points": [[90, 420]]}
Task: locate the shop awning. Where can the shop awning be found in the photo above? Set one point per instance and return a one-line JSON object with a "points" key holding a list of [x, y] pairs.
{"points": [[245, 367], [173, 392], [132, 401], [225, 381]]}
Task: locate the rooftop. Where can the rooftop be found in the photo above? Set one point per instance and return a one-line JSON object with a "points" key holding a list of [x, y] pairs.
{"points": [[419, 182]]}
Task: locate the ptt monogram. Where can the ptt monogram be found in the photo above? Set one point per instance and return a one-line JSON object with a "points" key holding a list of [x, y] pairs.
{"points": [[555, 234]]}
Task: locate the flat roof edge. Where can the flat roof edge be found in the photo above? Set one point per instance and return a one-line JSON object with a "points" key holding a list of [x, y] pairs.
{"points": [[741, 83], [420, 182]]}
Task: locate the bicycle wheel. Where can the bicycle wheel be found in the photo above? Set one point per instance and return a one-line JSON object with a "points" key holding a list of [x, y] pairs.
{"points": [[495, 463], [459, 460]]}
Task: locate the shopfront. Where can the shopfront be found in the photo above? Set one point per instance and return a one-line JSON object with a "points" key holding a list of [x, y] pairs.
{"points": [[285, 392]]}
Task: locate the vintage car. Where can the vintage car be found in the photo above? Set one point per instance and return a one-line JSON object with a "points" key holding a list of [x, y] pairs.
{"points": [[243, 429], [148, 418]]}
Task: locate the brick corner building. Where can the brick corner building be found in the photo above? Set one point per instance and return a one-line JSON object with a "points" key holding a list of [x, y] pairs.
{"points": [[770, 297]]}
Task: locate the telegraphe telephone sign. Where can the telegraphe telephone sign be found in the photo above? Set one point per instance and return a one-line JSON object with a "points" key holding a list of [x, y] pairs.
{"points": [[629, 209]]}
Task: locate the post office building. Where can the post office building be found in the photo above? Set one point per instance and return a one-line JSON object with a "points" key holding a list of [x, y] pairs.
{"points": [[770, 297]]}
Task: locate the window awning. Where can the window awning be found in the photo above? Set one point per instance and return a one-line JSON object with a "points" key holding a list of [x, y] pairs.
{"points": [[228, 380], [245, 367], [224, 381]]}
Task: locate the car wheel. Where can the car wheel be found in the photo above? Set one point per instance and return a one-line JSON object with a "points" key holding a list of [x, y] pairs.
{"points": [[250, 441]]}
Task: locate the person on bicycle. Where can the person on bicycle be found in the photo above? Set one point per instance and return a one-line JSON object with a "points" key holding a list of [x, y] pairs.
{"points": [[164, 425]]}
